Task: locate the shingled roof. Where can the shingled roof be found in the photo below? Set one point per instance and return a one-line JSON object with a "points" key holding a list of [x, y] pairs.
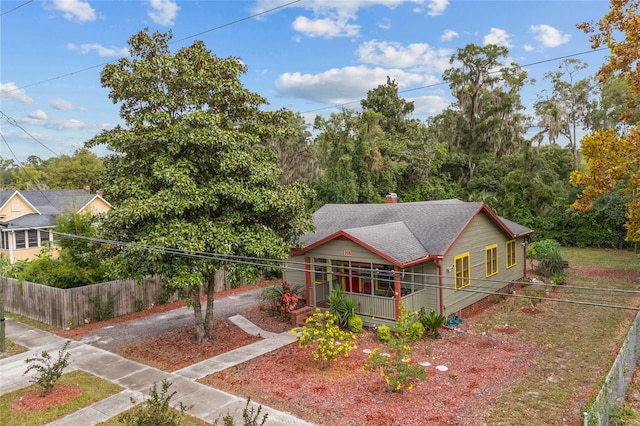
{"points": [[49, 204], [403, 232]]}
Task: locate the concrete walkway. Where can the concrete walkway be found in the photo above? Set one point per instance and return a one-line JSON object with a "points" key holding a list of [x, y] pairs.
{"points": [[205, 402]]}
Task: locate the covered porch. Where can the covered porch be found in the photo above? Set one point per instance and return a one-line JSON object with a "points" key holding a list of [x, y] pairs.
{"points": [[378, 289]]}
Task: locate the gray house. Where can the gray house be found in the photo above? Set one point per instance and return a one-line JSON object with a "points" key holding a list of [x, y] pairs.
{"points": [[446, 255]]}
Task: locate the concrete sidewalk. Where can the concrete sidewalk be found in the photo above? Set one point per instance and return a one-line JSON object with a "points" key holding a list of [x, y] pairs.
{"points": [[137, 379]]}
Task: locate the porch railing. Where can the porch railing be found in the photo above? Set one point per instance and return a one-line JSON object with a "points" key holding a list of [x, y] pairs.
{"points": [[385, 307]]}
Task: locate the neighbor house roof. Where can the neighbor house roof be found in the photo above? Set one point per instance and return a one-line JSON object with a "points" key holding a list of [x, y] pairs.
{"points": [[401, 232], [48, 204]]}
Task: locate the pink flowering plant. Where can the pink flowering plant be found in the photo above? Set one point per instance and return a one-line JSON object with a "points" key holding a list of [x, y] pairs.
{"points": [[283, 298], [323, 333]]}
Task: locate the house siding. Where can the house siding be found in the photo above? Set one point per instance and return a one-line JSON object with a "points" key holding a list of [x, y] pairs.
{"points": [[294, 273], [345, 250], [481, 233]]}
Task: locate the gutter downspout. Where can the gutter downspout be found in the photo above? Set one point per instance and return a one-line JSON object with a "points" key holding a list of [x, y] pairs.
{"points": [[440, 286]]}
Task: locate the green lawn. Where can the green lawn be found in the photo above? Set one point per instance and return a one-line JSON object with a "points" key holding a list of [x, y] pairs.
{"points": [[93, 389], [11, 349], [577, 343]]}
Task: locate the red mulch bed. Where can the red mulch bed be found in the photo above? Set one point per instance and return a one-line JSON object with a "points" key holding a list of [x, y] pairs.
{"points": [[36, 401], [479, 369]]}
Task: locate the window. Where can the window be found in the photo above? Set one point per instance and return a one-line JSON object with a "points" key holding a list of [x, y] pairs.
{"points": [[15, 206], [4, 243], [320, 269], [491, 259], [33, 238], [461, 271], [511, 253], [20, 239]]}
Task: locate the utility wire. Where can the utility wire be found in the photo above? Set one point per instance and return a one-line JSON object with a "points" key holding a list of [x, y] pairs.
{"points": [[13, 122], [15, 8], [264, 12], [287, 265], [428, 86]]}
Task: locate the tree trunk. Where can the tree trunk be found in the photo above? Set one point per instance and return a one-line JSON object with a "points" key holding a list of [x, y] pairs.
{"points": [[197, 311], [221, 279], [208, 319]]}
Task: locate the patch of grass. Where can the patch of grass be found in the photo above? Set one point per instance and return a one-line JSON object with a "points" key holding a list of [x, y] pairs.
{"points": [[11, 349], [601, 258], [31, 322], [186, 420], [94, 389], [576, 342]]}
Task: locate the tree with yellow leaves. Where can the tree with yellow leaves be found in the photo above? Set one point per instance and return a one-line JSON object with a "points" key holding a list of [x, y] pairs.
{"points": [[610, 157]]}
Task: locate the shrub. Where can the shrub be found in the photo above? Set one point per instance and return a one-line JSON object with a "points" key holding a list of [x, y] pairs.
{"points": [[559, 279], [342, 307], [355, 324], [415, 331], [49, 369], [250, 416], [547, 253], [283, 298], [155, 410], [397, 370], [322, 331], [384, 333], [103, 311], [431, 322]]}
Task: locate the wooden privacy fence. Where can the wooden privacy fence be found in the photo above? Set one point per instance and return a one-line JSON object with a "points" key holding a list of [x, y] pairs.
{"points": [[69, 307]]}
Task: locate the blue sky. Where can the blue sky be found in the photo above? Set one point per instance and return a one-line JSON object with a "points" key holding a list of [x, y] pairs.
{"points": [[310, 56]]}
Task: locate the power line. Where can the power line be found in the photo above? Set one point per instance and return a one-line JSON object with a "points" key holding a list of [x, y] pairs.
{"points": [[13, 122], [292, 265], [264, 12], [428, 86], [15, 8]]}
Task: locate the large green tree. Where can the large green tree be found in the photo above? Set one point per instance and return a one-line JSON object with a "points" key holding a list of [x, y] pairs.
{"points": [[193, 182], [567, 108], [75, 171]]}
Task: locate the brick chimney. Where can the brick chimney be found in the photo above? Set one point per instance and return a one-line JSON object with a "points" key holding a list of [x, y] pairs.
{"points": [[392, 198]]}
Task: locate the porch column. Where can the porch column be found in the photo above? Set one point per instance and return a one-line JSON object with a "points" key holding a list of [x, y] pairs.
{"points": [[396, 288], [307, 276]]}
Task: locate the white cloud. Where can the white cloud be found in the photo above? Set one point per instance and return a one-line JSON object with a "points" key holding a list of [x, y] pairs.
{"points": [[62, 104], [528, 48], [497, 36], [85, 48], [75, 10], [549, 36], [9, 91], [429, 105], [163, 12], [384, 24], [449, 35], [38, 115], [343, 85], [437, 7], [391, 54], [325, 27]]}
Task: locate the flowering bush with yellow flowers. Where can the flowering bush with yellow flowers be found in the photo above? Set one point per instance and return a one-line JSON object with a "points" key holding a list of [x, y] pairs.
{"points": [[322, 331], [395, 368]]}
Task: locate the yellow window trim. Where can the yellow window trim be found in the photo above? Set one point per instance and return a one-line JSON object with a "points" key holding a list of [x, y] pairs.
{"points": [[510, 248], [460, 273], [491, 260]]}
